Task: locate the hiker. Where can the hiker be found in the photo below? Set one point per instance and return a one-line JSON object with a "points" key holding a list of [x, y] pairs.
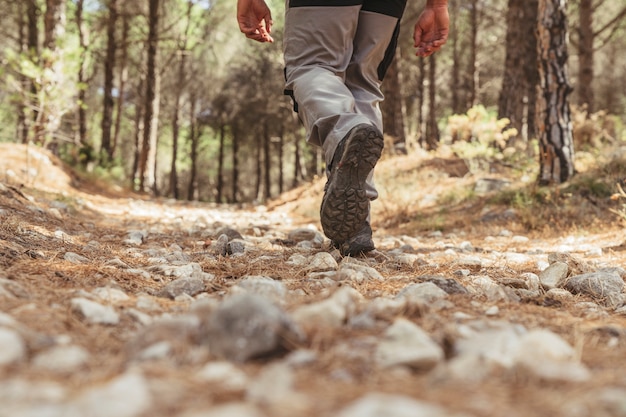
{"points": [[336, 53]]}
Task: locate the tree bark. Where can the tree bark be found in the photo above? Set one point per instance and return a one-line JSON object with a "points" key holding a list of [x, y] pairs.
{"points": [[457, 106], [106, 150], [220, 163], [393, 106], [182, 79], [192, 189], [267, 162], [147, 161], [432, 130], [520, 78], [235, 171], [585, 55], [472, 70], [83, 40], [123, 79], [556, 156]]}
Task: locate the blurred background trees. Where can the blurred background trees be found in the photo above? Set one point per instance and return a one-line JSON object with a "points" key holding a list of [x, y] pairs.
{"points": [[169, 98]]}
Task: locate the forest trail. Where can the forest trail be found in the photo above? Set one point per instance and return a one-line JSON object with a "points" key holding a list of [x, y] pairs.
{"points": [[115, 305]]}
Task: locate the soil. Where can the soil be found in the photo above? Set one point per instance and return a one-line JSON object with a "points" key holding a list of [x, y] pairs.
{"points": [[48, 211]]}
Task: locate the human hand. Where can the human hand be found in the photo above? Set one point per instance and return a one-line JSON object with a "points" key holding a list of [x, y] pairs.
{"points": [[431, 30], [255, 20]]}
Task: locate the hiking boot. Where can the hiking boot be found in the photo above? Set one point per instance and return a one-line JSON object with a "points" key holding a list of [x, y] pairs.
{"points": [[345, 206], [358, 244]]}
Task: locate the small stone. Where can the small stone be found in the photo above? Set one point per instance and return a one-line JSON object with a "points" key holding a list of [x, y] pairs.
{"points": [[492, 311], [219, 247], [246, 326], [406, 344], [390, 405], [266, 287], [183, 286], [358, 273], [559, 294], [553, 276], [236, 247], [62, 359], [548, 356], [449, 285], [302, 234], [226, 374], [136, 237], [75, 258], [605, 287], [12, 347], [422, 293], [93, 312], [227, 410], [322, 261], [111, 295], [125, 396]]}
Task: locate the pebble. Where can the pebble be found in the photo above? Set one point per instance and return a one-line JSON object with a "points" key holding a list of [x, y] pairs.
{"points": [[322, 261], [93, 312], [12, 347], [246, 326], [553, 276], [406, 344], [390, 405], [190, 286], [75, 258], [266, 287], [127, 395], [605, 287], [62, 359], [225, 374], [422, 293]]}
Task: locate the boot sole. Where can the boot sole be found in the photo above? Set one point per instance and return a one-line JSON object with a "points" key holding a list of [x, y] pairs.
{"points": [[345, 206]]}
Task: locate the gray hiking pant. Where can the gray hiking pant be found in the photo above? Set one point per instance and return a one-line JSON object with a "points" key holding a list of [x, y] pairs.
{"points": [[336, 54]]}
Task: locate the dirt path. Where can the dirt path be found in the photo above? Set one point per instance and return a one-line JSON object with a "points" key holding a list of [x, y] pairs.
{"points": [[125, 307]]}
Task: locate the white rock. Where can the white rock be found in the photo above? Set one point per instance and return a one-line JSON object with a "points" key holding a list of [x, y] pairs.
{"points": [[422, 293], [227, 375], [552, 276], [264, 286], [111, 295], [331, 312], [406, 344], [548, 356], [390, 405], [358, 273], [62, 359], [227, 410], [93, 312], [125, 396], [12, 347], [322, 261]]}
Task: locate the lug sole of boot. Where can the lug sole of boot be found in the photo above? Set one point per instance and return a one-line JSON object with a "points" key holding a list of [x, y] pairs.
{"points": [[345, 206]]}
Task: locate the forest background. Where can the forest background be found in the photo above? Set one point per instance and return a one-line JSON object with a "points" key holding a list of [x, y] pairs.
{"points": [[168, 98]]}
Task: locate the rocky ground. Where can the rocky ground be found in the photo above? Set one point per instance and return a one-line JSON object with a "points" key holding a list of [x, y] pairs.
{"points": [[126, 307]]}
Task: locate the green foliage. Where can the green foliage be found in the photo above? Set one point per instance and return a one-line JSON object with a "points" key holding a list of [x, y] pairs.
{"points": [[478, 137]]}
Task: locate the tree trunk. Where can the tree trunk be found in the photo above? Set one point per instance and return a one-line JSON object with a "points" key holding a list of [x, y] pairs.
{"points": [[531, 69], [457, 106], [49, 117], [421, 99], [123, 79], [192, 190], [281, 150], [22, 125], [220, 164], [147, 161], [393, 105], [472, 70], [235, 185], [106, 151], [182, 80], [32, 12], [267, 162], [297, 164], [585, 56], [556, 153], [432, 130], [83, 40], [520, 78]]}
